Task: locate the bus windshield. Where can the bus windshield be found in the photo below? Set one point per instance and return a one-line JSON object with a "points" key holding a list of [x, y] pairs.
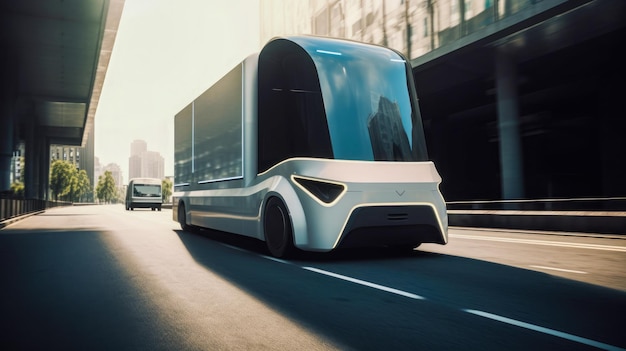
{"points": [[367, 103], [146, 190], [336, 100]]}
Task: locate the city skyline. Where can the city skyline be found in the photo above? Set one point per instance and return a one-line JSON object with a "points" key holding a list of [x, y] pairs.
{"points": [[141, 163], [144, 163], [165, 54]]}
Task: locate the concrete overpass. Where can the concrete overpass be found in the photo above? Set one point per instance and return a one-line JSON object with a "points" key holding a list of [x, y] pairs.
{"points": [[53, 60]]}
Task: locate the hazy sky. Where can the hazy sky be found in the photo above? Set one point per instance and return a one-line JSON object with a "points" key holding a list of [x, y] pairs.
{"points": [[166, 53]]}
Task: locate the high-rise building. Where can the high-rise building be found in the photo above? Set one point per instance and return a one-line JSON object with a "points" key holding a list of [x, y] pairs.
{"points": [[143, 163], [97, 171], [137, 147], [152, 165], [134, 166]]}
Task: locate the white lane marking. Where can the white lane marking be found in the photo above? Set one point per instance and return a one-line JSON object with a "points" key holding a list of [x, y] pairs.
{"points": [[559, 269], [264, 256], [276, 259], [542, 242], [365, 283], [495, 317], [544, 330]]}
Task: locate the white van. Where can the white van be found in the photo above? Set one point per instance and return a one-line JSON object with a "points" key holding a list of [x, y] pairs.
{"points": [[144, 193]]}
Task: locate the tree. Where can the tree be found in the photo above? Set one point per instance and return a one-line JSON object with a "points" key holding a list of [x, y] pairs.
{"points": [[106, 187], [79, 185], [60, 178], [17, 188], [166, 189], [68, 182]]}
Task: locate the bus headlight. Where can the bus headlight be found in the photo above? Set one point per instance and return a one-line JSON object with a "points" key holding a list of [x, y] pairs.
{"points": [[323, 191]]}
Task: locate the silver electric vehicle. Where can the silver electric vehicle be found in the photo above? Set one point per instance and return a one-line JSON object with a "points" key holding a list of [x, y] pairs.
{"points": [[313, 144]]}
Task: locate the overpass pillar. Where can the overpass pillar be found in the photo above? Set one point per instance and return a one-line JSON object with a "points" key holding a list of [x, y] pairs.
{"points": [[511, 158], [36, 166], [30, 185], [6, 144], [43, 148], [7, 115]]}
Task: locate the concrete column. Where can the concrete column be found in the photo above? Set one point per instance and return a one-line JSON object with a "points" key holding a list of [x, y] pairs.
{"points": [[511, 160], [7, 116], [6, 145], [36, 161], [44, 169], [30, 154], [612, 127]]}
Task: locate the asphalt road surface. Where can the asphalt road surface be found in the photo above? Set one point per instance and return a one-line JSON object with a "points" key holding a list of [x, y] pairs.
{"points": [[102, 278]]}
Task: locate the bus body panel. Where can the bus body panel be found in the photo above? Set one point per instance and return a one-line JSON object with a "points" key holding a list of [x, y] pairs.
{"points": [[381, 185], [319, 226]]}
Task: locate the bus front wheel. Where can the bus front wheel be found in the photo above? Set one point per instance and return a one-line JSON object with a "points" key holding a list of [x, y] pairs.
{"points": [[277, 228]]}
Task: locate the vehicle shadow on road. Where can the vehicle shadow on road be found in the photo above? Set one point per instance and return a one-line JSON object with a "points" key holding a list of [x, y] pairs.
{"points": [[351, 254], [449, 285]]}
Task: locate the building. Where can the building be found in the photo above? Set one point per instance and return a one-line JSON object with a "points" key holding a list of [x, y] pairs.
{"points": [[17, 165], [116, 173], [81, 157], [152, 165], [137, 147], [97, 171], [143, 163]]}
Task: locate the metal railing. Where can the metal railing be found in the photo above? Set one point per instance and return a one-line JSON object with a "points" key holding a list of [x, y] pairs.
{"points": [[555, 204], [11, 207]]}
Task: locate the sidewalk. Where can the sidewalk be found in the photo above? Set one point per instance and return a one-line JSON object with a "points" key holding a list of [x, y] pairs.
{"points": [[12, 220]]}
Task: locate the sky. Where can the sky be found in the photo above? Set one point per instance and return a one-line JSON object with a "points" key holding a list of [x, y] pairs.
{"points": [[166, 53]]}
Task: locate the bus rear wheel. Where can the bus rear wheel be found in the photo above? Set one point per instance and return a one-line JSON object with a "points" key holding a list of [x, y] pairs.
{"points": [[277, 228]]}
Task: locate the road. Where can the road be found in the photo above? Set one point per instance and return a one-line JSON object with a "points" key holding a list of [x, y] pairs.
{"points": [[102, 278]]}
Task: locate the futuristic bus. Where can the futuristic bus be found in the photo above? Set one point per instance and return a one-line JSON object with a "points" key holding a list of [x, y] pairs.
{"points": [[312, 144], [144, 193]]}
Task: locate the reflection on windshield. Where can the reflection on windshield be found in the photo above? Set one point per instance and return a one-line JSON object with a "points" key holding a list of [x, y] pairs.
{"points": [[389, 139], [145, 190]]}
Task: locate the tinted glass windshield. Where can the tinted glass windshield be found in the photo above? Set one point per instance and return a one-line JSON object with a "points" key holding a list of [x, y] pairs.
{"points": [[367, 102], [336, 99], [146, 190]]}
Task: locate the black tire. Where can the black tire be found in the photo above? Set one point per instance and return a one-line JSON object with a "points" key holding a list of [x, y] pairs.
{"points": [[277, 228], [182, 218]]}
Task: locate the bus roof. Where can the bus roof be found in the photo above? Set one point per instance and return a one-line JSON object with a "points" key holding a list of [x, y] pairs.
{"points": [[145, 181]]}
